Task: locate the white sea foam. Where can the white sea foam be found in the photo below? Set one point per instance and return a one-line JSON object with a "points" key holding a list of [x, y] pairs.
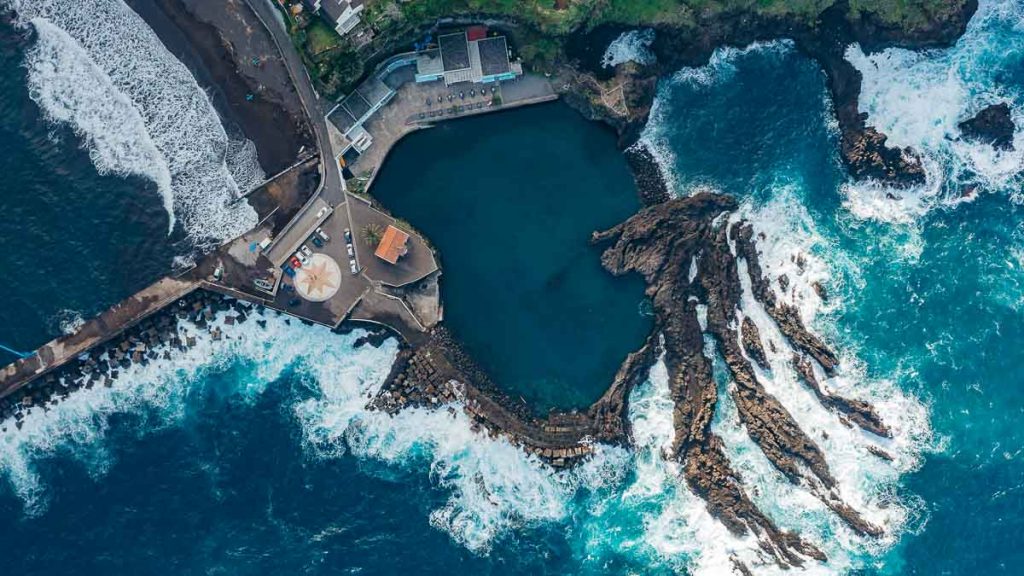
{"points": [[918, 98], [494, 487], [68, 321], [630, 46], [722, 65], [97, 67]]}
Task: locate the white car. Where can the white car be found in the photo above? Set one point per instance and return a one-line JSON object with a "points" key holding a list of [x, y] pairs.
{"points": [[352, 266], [302, 258], [351, 250], [305, 250], [323, 235]]}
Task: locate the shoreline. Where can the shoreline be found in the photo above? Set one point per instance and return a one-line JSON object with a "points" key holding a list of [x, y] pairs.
{"points": [[863, 148], [657, 242], [272, 118]]}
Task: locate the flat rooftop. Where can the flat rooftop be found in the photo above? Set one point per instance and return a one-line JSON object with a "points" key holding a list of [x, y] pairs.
{"points": [[454, 51], [494, 56], [356, 105]]}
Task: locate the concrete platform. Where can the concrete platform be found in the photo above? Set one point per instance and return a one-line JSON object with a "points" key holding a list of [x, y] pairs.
{"points": [[418, 263]]}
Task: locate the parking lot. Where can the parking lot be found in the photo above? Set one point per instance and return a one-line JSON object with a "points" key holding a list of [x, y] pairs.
{"points": [[352, 287]]}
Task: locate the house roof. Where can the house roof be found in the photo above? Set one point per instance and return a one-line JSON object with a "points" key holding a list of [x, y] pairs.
{"points": [[476, 33], [493, 56], [392, 246], [454, 51], [335, 9]]}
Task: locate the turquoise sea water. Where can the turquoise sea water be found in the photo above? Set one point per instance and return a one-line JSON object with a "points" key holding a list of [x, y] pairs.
{"points": [[254, 455]]}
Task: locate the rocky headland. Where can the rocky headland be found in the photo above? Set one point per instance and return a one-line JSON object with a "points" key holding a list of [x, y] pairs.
{"points": [[863, 148], [660, 243]]}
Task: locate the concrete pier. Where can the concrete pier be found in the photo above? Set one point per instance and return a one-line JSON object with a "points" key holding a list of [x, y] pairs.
{"points": [[94, 332], [309, 207]]}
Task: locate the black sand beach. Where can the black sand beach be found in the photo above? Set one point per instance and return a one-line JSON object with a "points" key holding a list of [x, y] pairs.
{"points": [[235, 60]]}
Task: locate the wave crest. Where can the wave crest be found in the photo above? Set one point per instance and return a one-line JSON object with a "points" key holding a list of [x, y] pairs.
{"points": [[97, 67]]}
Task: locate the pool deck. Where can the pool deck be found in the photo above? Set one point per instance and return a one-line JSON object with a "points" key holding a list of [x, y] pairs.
{"points": [[404, 297]]}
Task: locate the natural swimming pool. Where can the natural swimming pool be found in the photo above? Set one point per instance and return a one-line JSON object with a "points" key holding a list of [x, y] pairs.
{"points": [[509, 200]]}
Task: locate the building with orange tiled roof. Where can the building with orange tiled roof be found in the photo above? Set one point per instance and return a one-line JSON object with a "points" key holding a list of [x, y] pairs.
{"points": [[392, 245]]}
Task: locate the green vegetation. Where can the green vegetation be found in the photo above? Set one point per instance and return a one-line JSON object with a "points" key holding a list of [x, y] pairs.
{"points": [[333, 63], [538, 27], [320, 37], [372, 234], [905, 14]]}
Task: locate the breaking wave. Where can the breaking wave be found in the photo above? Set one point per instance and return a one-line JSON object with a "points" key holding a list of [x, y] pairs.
{"points": [[982, 68], [722, 64], [97, 67], [630, 46]]}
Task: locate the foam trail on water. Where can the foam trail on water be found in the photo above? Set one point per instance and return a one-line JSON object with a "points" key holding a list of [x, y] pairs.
{"points": [[494, 486], [630, 46], [721, 67], [722, 64], [982, 68], [97, 67]]}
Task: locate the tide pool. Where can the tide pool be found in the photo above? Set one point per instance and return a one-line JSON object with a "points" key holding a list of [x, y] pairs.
{"points": [[510, 201]]}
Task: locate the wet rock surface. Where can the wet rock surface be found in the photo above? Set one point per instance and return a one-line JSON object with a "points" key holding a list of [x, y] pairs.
{"points": [[752, 343], [863, 148], [992, 125], [659, 243]]}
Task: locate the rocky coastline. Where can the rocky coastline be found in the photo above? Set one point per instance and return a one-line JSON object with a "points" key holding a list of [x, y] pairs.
{"points": [[660, 243], [863, 148], [174, 329]]}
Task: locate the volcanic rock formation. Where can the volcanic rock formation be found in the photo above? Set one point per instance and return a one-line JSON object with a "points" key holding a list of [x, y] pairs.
{"points": [[992, 125], [660, 243]]}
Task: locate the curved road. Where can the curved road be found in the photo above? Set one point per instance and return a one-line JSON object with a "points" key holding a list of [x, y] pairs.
{"points": [[333, 190]]}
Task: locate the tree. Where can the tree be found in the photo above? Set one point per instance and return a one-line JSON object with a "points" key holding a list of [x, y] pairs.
{"points": [[372, 234]]}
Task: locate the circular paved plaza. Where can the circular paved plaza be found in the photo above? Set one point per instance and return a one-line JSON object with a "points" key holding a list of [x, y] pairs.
{"points": [[319, 280]]}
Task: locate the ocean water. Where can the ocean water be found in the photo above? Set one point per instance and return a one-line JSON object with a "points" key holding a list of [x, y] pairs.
{"points": [[255, 454]]}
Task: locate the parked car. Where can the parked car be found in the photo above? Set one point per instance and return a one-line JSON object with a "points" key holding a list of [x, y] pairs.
{"points": [[348, 235], [352, 266], [323, 235], [289, 271], [351, 250], [295, 262], [306, 251], [316, 241], [303, 261]]}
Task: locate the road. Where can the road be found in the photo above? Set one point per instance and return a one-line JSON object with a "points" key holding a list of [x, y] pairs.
{"points": [[314, 106]]}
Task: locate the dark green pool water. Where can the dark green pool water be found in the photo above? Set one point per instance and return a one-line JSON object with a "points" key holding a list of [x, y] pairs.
{"points": [[510, 200]]}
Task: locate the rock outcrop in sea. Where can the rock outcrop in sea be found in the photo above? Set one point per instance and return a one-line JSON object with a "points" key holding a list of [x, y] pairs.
{"points": [[991, 125], [825, 38], [661, 243]]}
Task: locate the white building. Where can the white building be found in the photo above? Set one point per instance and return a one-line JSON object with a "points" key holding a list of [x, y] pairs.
{"points": [[343, 14]]}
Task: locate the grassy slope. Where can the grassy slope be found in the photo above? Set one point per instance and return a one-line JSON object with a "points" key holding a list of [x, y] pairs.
{"points": [[542, 15], [336, 68]]}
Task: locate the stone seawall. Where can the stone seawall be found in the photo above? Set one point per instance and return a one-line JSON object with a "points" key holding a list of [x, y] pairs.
{"points": [[94, 332], [170, 327]]}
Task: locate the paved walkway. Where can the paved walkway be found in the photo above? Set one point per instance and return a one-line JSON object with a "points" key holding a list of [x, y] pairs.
{"points": [[94, 332]]}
